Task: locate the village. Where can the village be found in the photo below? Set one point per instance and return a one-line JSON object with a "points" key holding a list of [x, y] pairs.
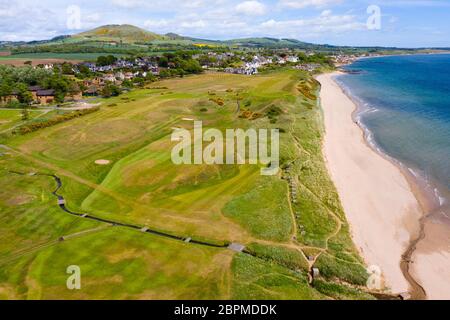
{"points": [[109, 76]]}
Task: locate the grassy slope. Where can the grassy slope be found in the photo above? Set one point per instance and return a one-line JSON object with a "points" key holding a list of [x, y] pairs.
{"points": [[125, 33], [142, 186]]}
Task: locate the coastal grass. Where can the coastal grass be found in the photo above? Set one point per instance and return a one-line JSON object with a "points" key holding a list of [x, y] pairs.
{"points": [[263, 208], [290, 258], [341, 291], [217, 204], [262, 280]]}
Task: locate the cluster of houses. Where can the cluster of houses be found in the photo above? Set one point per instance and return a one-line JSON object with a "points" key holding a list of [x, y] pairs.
{"points": [[115, 74], [42, 96], [344, 59], [251, 68], [247, 69], [217, 59], [127, 69], [310, 67], [94, 86], [141, 64]]}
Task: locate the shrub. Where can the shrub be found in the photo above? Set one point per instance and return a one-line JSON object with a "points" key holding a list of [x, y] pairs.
{"points": [[14, 104], [36, 125], [218, 101]]}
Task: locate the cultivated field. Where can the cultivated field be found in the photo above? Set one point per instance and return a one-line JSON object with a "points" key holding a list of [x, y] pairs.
{"points": [[49, 58], [140, 186]]}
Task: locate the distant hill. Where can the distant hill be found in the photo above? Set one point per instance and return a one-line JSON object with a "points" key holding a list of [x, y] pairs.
{"points": [[127, 36], [125, 33], [271, 43]]}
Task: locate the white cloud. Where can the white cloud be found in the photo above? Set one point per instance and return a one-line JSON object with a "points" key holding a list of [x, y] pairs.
{"points": [[254, 8], [300, 4], [92, 18], [325, 23], [228, 19], [128, 3], [156, 23], [21, 20], [194, 24]]}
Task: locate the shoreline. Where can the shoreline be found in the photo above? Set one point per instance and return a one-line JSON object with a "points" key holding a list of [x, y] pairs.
{"points": [[425, 262], [397, 55], [355, 170]]}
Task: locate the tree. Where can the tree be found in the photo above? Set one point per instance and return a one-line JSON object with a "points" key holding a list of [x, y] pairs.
{"points": [[106, 60], [23, 95], [110, 90], [127, 84], [191, 66], [84, 71], [150, 77], [67, 68], [138, 81], [302, 57], [60, 84], [5, 90], [25, 114], [163, 62]]}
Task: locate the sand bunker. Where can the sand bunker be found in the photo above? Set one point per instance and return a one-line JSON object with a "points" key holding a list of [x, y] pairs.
{"points": [[102, 162]]}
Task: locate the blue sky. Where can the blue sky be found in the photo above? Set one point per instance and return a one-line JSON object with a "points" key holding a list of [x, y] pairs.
{"points": [[404, 23]]}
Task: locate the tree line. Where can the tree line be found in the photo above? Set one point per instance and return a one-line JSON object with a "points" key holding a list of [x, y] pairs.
{"points": [[17, 81]]}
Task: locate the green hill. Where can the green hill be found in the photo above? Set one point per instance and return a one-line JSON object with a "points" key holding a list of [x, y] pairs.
{"points": [[125, 33]]}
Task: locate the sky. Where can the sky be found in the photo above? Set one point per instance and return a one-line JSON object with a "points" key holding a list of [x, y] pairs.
{"points": [[400, 23]]}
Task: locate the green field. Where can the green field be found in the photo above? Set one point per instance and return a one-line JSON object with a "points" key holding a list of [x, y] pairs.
{"points": [[215, 204], [58, 56], [13, 117]]}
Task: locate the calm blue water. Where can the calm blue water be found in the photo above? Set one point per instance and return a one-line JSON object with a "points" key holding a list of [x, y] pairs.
{"points": [[405, 105]]}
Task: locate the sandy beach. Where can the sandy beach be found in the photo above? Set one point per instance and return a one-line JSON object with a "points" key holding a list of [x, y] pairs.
{"points": [[380, 205], [431, 265]]}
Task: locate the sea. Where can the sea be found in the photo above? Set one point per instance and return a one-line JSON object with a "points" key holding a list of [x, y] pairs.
{"points": [[404, 109]]}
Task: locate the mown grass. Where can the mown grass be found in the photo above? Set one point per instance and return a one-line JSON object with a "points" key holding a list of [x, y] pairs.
{"points": [[13, 117], [221, 203], [126, 265], [29, 217]]}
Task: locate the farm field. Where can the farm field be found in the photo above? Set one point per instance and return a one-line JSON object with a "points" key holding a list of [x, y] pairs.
{"points": [[136, 183], [49, 57]]}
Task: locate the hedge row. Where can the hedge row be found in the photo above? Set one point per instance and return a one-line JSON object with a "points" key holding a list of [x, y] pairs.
{"points": [[37, 125]]}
